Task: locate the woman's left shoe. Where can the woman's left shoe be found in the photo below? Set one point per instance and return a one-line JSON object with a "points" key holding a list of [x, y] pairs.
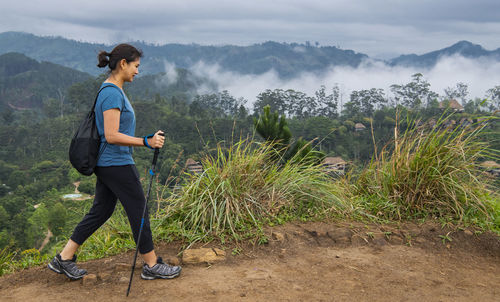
{"points": [[67, 267]]}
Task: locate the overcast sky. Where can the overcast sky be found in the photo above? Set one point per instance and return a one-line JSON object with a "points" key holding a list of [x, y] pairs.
{"points": [[380, 29]]}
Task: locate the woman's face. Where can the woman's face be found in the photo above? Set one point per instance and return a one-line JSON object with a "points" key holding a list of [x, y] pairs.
{"points": [[130, 70]]}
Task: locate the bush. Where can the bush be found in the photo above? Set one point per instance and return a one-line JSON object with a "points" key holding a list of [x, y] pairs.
{"points": [[240, 190], [428, 173]]}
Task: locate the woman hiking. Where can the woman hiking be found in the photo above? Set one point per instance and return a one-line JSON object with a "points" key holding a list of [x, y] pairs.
{"points": [[117, 176]]}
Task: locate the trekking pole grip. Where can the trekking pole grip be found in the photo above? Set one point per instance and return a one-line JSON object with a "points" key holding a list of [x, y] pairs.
{"points": [[157, 151]]}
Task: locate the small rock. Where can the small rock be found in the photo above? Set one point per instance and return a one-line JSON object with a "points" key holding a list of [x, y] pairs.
{"points": [[173, 261], [203, 255], [468, 233], [243, 295], [380, 241], [337, 256], [89, 279], [278, 236], [282, 253]]}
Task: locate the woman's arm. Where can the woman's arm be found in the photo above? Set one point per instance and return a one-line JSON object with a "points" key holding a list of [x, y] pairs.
{"points": [[111, 126]]}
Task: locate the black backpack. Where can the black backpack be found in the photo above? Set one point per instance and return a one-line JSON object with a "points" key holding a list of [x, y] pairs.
{"points": [[84, 147]]}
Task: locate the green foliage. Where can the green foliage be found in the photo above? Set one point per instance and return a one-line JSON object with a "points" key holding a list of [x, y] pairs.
{"points": [[57, 218], [273, 128], [253, 59], [30, 258], [6, 256], [29, 84], [87, 185], [428, 173], [239, 191], [276, 133], [415, 94], [38, 226], [4, 218]]}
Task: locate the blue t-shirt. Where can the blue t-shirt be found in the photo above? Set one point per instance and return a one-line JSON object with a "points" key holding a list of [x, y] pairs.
{"points": [[109, 98]]}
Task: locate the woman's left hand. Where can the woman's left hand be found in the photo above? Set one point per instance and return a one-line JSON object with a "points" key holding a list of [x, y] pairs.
{"points": [[157, 140]]}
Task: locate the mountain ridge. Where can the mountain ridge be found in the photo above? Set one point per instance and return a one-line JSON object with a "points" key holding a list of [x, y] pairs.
{"points": [[286, 59], [463, 48]]}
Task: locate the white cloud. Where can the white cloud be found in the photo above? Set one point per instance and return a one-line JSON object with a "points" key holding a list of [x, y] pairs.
{"points": [[480, 75]]}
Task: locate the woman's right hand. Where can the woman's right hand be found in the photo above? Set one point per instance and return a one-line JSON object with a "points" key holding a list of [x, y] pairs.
{"points": [[157, 140]]}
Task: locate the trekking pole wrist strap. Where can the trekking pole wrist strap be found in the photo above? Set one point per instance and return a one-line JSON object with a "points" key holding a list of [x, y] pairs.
{"points": [[145, 140]]}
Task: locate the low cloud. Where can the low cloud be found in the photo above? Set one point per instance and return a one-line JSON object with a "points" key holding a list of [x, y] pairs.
{"points": [[479, 74]]}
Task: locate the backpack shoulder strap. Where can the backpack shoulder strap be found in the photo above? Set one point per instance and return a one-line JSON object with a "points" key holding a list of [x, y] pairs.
{"points": [[113, 86]]}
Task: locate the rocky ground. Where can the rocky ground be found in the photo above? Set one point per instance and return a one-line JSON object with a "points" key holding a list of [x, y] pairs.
{"points": [[301, 262]]}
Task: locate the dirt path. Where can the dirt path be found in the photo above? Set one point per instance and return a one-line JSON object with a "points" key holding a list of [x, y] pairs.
{"points": [[302, 262]]}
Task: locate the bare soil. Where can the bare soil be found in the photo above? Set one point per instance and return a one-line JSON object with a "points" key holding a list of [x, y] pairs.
{"points": [[301, 262]]}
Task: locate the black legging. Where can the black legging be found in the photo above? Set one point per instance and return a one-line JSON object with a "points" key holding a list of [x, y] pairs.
{"points": [[117, 182]]}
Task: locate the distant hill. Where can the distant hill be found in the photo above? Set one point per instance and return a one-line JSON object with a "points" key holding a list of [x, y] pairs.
{"points": [[462, 48], [26, 83], [286, 59]]}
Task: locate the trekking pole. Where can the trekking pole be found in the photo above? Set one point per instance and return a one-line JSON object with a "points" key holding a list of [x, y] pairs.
{"points": [[152, 173]]}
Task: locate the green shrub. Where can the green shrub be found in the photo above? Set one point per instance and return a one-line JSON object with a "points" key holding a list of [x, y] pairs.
{"points": [[428, 173], [239, 191]]}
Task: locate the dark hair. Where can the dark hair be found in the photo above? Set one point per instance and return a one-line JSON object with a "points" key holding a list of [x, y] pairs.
{"points": [[121, 51]]}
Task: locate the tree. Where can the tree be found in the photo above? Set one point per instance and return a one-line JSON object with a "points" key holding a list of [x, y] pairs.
{"points": [[493, 95], [299, 104], [460, 92], [38, 224], [57, 219], [279, 135], [8, 116], [414, 94], [51, 108], [367, 100], [4, 218], [272, 127], [275, 99], [327, 104], [216, 105]]}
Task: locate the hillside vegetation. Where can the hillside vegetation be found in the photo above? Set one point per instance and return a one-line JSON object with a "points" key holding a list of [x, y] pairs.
{"points": [[410, 156]]}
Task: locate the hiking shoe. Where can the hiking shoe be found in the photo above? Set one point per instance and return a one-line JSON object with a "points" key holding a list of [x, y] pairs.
{"points": [[67, 267], [160, 270]]}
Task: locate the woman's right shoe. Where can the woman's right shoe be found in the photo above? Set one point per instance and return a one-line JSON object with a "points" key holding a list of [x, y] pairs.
{"points": [[67, 267], [160, 270]]}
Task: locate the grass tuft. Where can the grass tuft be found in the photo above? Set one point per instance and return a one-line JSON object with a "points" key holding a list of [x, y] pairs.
{"points": [[240, 190], [429, 172]]}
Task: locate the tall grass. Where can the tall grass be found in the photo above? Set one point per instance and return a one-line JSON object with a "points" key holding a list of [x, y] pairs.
{"points": [[428, 172], [240, 190]]}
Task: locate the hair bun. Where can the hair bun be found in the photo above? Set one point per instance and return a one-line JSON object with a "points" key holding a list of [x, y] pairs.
{"points": [[102, 57]]}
